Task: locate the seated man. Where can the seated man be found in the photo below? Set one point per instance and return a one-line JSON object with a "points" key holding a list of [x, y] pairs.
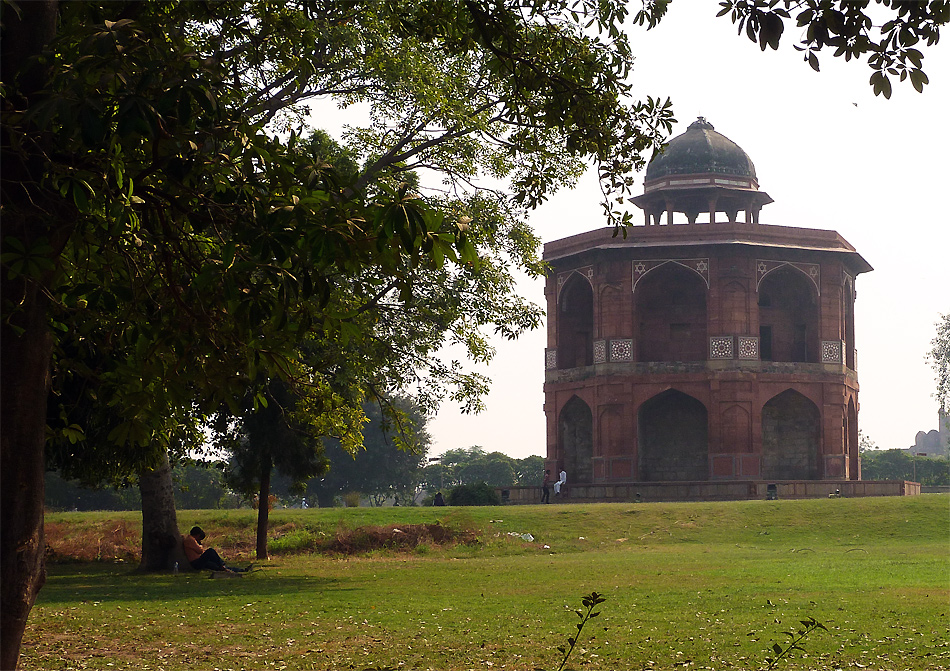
{"points": [[201, 558]]}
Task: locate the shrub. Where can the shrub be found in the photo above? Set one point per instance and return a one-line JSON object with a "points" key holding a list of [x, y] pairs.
{"points": [[477, 494]]}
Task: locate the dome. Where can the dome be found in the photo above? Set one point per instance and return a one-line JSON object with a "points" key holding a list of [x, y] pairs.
{"points": [[701, 150]]}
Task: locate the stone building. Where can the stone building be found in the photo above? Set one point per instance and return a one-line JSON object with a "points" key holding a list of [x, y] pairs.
{"points": [[715, 349]]}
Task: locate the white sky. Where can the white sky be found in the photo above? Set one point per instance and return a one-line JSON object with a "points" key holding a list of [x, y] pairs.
{"points": [[832, 156]]}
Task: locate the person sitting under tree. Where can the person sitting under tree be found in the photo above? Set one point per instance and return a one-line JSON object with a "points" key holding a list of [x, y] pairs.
{"points": [[202, 558]]}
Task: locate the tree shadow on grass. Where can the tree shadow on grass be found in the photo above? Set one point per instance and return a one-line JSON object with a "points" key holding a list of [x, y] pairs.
{"points": [[78, 583]]}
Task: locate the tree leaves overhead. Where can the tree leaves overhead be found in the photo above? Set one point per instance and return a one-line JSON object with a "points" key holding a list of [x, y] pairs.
{"points": [[889, 32]]}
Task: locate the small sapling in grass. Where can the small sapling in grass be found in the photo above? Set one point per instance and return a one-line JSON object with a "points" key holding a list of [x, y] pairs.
{"points": [[590, 602], [808, 626]]}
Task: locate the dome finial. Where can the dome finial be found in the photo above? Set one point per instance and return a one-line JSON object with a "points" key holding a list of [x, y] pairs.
{"points": [[701, 123]]}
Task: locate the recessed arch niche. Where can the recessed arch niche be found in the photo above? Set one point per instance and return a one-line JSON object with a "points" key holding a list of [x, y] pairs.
{"points": [[670, 309], [576, 438], [575, 323], [673, 440], [788, 317], [791, 437]]}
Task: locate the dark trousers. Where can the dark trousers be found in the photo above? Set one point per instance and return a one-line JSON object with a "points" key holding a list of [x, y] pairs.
{"points": [[545, 495], [209, 559]]}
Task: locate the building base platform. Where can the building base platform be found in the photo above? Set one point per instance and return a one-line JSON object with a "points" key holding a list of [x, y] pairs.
{"points": [[732, 490]]}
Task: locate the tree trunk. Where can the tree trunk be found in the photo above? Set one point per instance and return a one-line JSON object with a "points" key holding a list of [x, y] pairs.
{"points": [[161, 538], [27, 343], [25, 361], [263, 508]]}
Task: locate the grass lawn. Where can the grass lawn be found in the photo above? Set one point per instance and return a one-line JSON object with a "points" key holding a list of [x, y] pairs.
{"points": [[687, 586]]}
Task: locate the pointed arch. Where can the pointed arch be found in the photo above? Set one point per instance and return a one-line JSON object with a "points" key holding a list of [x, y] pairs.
{"points": [[670, 309], [575, 322], [672, 438], [576, 440], [810, 271], [791, 437], [788, 316], [643, 268]]}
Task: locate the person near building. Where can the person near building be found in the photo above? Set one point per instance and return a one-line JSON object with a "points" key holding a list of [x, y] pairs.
{"points": [[546, 488]]}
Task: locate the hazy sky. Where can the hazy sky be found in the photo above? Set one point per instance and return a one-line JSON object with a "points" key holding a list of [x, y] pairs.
{"points": [[832, 156]]}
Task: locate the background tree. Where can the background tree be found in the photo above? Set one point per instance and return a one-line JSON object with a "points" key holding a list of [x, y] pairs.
{"points": [[904, 465], [381, 469], [865, 443], [463, 466], [529, 471], [939, 359], [494, 469], [65, 494], [199, 485]]}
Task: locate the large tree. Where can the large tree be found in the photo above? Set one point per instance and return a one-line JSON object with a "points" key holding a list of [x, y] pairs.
{"points": [[151, 212]]}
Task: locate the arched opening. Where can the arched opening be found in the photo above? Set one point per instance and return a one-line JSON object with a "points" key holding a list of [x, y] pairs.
{"points": [[673, 438], [788, 317], [576, 438], [670, 305], [791, 437], [575, 324]]}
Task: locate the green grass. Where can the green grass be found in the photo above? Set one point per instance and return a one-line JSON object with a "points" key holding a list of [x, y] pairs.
{"points": [[700, 586]]}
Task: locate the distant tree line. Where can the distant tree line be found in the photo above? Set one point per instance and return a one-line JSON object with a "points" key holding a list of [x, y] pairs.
{"points": [[468, 466], [197, 485], [901, 465], [380, 472]]}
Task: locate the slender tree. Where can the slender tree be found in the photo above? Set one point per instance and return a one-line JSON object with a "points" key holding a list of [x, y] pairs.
{"points": [[266, 438]]}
